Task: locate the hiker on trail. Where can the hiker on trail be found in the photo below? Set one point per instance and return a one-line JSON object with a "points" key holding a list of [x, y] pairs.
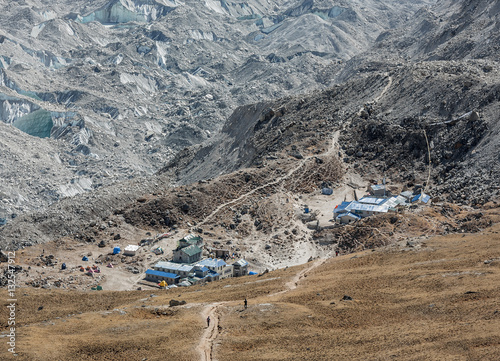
{"points": [[208, 321], [246, 303], [336, 252]]}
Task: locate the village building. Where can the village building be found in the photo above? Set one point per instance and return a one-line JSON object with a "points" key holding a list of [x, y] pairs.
{"points": [[378, 190], [349, 212], [372, 200], [190, 240], [182, 270], [240, 268], [347, 218], [158, 276], [408, 195], [130, 250], [219, 266], [190, 254], [218, 252], [422, 197]]}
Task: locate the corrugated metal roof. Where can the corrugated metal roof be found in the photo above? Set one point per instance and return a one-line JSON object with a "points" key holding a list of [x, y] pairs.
{"points": [[174, 266], [241, 263], [425, 198], [407, 194], [212, 263], [348, 214], [341, 207], [372, 200], [394, 201], [191, 250], [192, 239], [152, 272], [356, 206], [212, 273], [421, 197]]}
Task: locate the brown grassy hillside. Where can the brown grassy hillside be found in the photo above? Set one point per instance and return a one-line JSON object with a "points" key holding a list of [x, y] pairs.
{"points": [[437, 302]]}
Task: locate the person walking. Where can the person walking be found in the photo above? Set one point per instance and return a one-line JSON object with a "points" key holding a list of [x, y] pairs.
{"points": [[208, 321], [246, 303]]}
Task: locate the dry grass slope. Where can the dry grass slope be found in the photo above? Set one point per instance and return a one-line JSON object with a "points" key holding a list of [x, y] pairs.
{"points": [[439, 302]]}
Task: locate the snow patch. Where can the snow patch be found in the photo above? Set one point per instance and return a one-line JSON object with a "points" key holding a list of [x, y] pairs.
{"points": [[75, 186], [37, 29], [142, 83]]}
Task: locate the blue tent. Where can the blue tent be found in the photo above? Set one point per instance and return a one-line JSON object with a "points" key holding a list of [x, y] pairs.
{"points": [[63, 266], [252, 273], [116, 250], [327, 191], [85, 258]]}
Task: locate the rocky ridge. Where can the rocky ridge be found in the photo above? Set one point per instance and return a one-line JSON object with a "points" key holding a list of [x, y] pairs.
{"points": [[123, 85]]}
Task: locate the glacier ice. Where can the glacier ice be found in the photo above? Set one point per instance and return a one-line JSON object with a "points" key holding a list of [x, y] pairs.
{"points": [[124, 11]]}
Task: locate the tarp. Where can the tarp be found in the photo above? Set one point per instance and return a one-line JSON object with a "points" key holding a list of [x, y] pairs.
{"points": [[252, 273], [327, 191], [85, 258], [116, 250]]}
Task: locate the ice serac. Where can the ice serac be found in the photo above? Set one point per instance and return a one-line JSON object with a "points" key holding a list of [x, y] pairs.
{"points": [[124, 11], [38, 123], [12, 108], [241, 10], [30, 118]]}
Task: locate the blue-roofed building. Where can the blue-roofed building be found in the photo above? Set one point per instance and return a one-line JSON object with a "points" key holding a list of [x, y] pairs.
{"points": [[201, 271], [366, 210], [341, 208], [182, 270], [217, 265], [213, 276], [347, 218], [157, 276], [422, 197]]}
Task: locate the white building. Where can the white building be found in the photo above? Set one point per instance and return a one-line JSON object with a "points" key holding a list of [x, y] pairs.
{"points": [[130, 250]]}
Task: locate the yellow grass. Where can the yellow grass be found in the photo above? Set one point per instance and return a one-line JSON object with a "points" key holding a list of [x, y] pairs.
{"points": [[438, 303]]}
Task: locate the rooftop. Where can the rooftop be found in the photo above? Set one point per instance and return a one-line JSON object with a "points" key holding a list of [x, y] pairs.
{"points": [[341, 207], [173, 266], [356, 206], [191, 250], [151, 272], [349, 214], [241, 263], [212, 263], [421, 197], [372, 200], [191, 238]]}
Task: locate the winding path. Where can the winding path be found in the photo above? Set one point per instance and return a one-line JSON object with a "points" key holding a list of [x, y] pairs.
{"points": [[389, 83], [276, 181], [206, 346]]}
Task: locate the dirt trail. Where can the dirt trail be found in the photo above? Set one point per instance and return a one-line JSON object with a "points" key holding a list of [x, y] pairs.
{"points": [[205, 348], [294, 282], [330, 150], [389, 83], [206, 345]]}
